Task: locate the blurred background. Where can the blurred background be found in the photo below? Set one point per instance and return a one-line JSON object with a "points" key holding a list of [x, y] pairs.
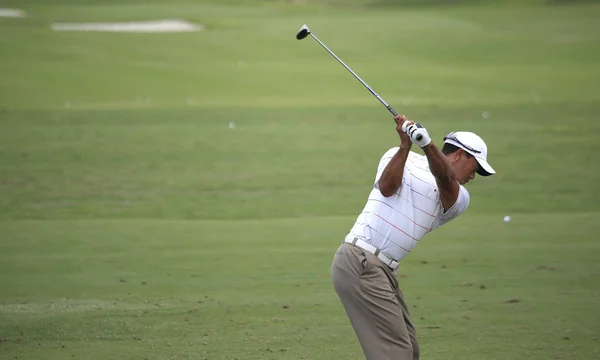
{"points": [[175, 176]]}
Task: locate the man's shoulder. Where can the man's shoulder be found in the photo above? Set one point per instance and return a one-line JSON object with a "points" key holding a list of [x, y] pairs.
{"points": [[411, 154], [391, 151], [415, 156], [416, 160]]}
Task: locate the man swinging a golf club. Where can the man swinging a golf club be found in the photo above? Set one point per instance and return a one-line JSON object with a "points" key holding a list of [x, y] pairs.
{"points": [[412, 195]]}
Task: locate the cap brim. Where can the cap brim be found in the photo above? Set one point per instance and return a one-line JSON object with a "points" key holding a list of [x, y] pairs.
{"points": [[484, 168]]}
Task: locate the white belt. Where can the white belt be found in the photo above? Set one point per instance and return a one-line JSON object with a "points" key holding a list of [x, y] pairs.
{"points": [[373, 250]]}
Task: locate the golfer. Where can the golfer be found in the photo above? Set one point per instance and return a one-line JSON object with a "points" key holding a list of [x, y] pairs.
{"points": [[412, 195]]}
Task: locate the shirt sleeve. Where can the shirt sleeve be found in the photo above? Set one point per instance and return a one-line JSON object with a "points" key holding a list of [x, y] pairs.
{"points": [[461, 204], [383, 162]]}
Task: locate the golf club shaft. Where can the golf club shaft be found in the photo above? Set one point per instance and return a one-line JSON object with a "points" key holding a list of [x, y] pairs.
{"points": [[356, 76]]}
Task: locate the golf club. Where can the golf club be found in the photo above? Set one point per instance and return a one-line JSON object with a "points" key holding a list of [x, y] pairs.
{"points": [[305, 31]]}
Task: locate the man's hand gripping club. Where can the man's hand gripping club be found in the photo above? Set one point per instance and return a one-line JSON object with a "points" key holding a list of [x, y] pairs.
{"points": [[417, 133]]}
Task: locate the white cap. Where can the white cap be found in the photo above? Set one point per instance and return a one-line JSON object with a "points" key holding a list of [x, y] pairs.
{"points": [[475, 146]]}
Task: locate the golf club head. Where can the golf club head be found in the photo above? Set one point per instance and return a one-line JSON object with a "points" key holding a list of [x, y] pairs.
{"points": [[303, 32]]}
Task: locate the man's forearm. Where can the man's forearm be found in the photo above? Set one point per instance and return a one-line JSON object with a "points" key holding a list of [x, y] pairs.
{"points": [[439, 165], [391, 178]]}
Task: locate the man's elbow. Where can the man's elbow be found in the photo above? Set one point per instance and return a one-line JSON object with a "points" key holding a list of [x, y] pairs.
{"points": [[386, 190]]}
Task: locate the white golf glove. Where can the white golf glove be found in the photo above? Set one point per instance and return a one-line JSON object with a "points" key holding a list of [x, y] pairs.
{"points": [[417, 133]]}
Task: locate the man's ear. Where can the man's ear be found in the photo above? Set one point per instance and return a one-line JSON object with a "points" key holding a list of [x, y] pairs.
{"points": [[459, 154], [452, 157]]}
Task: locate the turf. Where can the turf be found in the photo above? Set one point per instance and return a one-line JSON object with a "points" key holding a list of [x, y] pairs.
{"points": [[137, 225]]}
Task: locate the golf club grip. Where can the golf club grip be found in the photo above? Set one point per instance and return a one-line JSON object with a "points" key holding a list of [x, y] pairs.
{"points": [[392, 110]]}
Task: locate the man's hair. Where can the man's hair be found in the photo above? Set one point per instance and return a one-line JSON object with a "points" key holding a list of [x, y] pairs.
{"points": [[449, 149]]}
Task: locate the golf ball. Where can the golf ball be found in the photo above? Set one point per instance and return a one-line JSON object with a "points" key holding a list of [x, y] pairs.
{"points": [[232, 125], [506, 218]]}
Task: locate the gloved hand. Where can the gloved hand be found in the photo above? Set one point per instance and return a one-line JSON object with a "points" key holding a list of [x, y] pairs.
{"points": [[417, 133]]}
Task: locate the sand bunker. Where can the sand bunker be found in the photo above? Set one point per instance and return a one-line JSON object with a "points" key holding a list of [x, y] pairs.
{"points": [[12, 13], [160, 26]]}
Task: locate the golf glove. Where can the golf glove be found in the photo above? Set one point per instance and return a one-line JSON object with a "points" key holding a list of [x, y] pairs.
{"points": [[417, 131]]}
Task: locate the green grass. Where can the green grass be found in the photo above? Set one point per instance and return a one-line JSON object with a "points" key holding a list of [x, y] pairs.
{"points": [[134, 229], [261, 290]]}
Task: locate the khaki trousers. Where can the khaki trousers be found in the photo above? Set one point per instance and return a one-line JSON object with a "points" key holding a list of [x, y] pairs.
{"points": [[369, 291]]}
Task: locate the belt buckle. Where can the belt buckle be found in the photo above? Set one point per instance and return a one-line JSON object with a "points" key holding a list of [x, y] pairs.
{"points": [[386, 260]]}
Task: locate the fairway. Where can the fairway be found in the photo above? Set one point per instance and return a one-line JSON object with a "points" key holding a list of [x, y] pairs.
{"points": [[181, 195]]}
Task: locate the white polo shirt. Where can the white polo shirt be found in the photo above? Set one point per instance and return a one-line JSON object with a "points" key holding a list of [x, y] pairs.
{"points": [[395, 224]]}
